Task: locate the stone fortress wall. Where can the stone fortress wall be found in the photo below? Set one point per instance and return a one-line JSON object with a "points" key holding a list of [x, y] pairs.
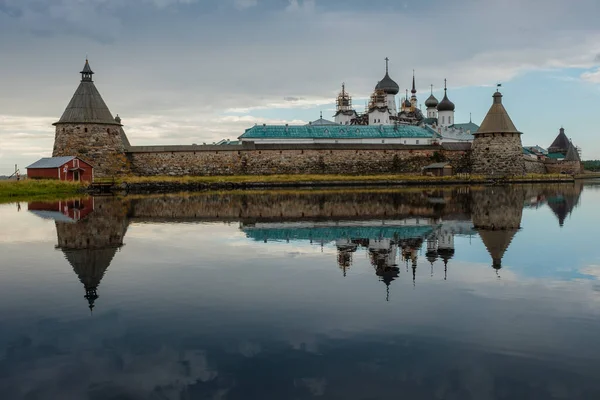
{"points": [[280, 159], [534, 166]]}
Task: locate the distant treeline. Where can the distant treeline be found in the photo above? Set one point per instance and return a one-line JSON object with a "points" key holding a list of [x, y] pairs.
{"points": [[592, 165]]}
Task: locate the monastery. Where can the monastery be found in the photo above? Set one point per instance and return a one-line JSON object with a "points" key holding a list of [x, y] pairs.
{"points": [[386, 138]]}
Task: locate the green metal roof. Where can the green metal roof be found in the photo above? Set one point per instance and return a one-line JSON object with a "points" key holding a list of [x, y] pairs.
{"points": [[337, 132], [556, 156], [469, 126], [331, 233]]}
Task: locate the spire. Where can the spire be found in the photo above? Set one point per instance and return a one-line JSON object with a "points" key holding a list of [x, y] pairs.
{"points": [[414, 89], [321, 114], [386, 64], [86, 72], [470, 119]]}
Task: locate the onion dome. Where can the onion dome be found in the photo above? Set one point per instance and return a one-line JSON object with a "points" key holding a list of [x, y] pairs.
{"points": [[407, 103], [446, 104], [387, 84], [431, 102]]}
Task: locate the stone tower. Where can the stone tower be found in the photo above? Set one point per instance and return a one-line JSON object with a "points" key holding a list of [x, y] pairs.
{"points": [[497, 148], [88, 130]]}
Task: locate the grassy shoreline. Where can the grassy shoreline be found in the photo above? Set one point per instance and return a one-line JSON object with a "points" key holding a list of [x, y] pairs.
{"points": [[365, 179], [29, 189]]}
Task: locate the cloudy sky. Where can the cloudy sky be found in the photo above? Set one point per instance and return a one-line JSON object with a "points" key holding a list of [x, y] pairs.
{"points": [[193, 71]]}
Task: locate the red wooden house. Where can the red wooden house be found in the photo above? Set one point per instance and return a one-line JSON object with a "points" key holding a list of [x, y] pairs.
{"points": [[68, 168]]}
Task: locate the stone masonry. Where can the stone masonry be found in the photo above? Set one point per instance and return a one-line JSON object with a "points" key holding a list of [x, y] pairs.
{"points": [[495, 154], [98, 144], [242, 161]]}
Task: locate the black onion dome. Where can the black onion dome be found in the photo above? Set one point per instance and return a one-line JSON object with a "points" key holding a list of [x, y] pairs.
{"points": [[407, 103], [388, 85], [446, 104], [431, 101]]}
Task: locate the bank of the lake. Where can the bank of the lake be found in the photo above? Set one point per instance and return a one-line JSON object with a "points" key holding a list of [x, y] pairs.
{"points": [[30, 189], [167, 184]]}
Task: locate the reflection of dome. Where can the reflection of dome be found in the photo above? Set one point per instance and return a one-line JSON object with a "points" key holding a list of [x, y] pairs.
{"points": [[431, 256]]}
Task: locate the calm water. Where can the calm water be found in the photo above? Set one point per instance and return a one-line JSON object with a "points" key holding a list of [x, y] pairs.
{"points": [[465, 293]]}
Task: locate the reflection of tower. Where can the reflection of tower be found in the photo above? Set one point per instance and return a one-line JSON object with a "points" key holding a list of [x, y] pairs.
{"points": [[445, 247], [432, 252], [345, 249], [497, 213], [90, 244], [410, 250], [383, 253], [564, 201]]}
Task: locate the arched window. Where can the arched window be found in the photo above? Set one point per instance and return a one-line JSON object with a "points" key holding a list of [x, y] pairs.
{"points": [[443, 118]]}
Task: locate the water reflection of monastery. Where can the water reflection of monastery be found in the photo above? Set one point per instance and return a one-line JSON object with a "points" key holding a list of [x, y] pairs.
{"points": [[393, 229], [389, 243]]}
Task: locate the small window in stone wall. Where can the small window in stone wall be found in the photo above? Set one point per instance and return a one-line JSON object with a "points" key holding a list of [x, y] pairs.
{"points": [[85, 130], [107, 130], [417, 142]]}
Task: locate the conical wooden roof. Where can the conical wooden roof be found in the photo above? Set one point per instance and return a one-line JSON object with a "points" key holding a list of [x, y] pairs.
{"points": [[87, 105], [561, 143], [572, 153], [497, 119]]}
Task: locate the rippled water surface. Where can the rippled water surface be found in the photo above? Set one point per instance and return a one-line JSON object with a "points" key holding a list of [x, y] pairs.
{"points": [[459, 293]]}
